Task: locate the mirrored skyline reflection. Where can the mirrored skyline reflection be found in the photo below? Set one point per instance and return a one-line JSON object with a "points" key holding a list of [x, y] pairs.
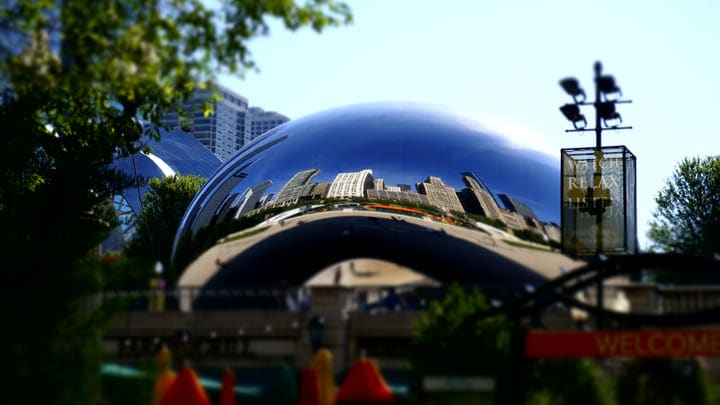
{"points": [[397, 149], [475, 198]]}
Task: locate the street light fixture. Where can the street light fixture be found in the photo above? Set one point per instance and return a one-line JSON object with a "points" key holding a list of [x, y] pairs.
{"points": [[606, 111], [607, 94], [572, 113], [606, 85], [572, 87]]}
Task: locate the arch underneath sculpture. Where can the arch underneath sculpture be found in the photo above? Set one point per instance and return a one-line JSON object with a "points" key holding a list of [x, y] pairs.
{"points": [[292, 253]]}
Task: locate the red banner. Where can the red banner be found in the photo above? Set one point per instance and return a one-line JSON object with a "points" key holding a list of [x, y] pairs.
{"points": [[665, 343]]}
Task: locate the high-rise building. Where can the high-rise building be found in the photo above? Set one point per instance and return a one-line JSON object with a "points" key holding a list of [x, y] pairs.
{"points": [[298, 186], [319, 191], [398, 195], [251, 198], [352, 184], [478, 197], [265, 200], [515, 205], [220, 199], [481, 183], [260, 121], [513, 220], [231, 125], [553, 231], [439, 194]]}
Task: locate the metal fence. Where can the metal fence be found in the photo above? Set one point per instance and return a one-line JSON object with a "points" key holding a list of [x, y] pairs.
{"points": [[291, 298]]}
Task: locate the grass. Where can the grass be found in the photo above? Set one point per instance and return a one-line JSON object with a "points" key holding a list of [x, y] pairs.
{"points": [[242, 235], [527, 245]]}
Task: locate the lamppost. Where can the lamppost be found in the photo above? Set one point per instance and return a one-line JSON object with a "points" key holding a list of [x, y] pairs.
{"points": [[159, 288], [316, 330], [595, 197], [607, 94]]}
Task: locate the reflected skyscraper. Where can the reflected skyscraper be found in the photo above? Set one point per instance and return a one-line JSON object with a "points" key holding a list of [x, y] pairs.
{"points": [[397, 194], [439, 194], [297, 187], [351, 184], [515, 205], [219, 199], [513, 220], [478, 182], [251, 198], [477, 197]]}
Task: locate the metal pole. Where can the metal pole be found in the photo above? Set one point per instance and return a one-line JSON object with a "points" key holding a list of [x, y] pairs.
{"points": [[598, 128], [597, 183], [519, 362]]}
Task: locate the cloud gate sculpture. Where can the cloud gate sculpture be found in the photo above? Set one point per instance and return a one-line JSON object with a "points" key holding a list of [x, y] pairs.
{"points": [[402, 183]]}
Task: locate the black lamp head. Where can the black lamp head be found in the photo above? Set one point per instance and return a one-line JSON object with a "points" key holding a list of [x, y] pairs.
{"points": [[572, 113], [572, 87]]}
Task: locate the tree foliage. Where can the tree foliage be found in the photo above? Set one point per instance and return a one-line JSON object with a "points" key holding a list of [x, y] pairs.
{"points": [[643, 381], [164, 204], [453, 338], [448, 338], [77, 78], [687, 217], [568, 381]]}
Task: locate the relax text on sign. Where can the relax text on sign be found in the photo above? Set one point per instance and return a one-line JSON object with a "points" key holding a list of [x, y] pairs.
{"points": [[667, 343]]}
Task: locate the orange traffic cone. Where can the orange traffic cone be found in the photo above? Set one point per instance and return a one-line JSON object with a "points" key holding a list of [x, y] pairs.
{"points": [[165, 376], [323, 363], [309, 387], [185, 390], [227, 393], [364, 384]]}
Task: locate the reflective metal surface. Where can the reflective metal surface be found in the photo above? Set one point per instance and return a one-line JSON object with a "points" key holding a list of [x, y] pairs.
{"points": [[175, 152], [407, 179]]}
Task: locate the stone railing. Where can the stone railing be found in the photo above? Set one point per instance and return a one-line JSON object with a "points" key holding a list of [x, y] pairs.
{"points": [[654, 299]]}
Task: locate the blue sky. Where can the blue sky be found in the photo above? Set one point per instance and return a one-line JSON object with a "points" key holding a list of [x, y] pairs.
{"points": [[499, 62]]}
